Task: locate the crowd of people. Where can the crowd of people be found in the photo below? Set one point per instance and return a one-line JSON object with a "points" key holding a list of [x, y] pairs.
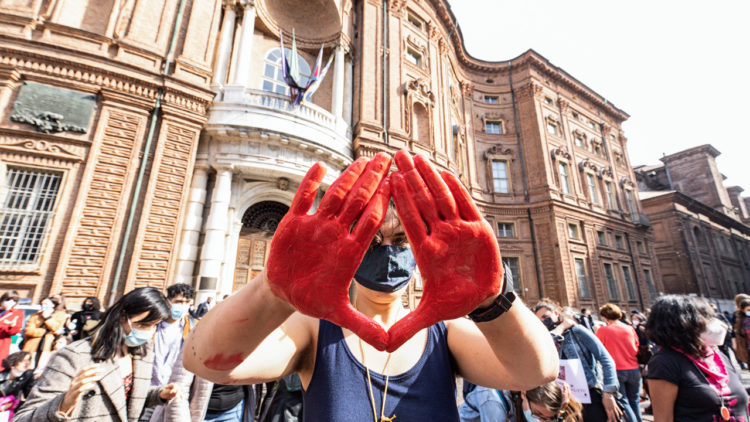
{"points": [[303, 342]]}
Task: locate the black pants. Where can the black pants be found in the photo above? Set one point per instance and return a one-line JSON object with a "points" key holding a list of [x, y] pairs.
{"points": [[594, 412]]}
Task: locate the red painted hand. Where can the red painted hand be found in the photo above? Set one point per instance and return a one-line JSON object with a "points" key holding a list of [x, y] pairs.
{"points": [[455, 249], [313, 258]]}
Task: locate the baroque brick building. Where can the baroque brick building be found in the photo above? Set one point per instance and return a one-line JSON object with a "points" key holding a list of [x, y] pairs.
{"points": [[101, 107], [543, 155], [702, 240]]}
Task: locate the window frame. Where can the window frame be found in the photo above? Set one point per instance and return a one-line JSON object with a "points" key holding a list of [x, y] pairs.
{"points": [[601, 238], [611, 194], [494, 122], [414, 21], [619, 242], [516, 272], [584, 292], [630, 287], [278, 80], [504, 231], [592, 188], [566, 187], [418, 58], [507, 175], [492, 99], [574, 231], [611, 281]]}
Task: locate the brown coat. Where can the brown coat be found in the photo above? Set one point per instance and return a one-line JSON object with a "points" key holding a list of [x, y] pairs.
{"points": [[740, 338], [106, 402], [40, 332]]}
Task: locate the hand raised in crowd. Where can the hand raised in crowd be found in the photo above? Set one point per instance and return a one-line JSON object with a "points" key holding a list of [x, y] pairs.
{"points": [[455, 249], [614, 413], [313, 257], [168, 392], [82, 383]]}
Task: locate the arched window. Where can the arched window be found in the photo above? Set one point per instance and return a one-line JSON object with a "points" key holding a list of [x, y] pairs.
{"points": [[273, 79]]}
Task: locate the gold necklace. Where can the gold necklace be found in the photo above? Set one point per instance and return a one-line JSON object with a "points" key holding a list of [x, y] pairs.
{"points": [[383, 418]]}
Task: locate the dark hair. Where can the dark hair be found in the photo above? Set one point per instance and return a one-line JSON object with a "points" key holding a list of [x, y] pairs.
{"points": [[677, 321], [109, 335], [547, 303], [94, 301], [583, 310], [611, 312], [10, 295], [14, 359], [180, 288], [58, 301], [744, 304]]}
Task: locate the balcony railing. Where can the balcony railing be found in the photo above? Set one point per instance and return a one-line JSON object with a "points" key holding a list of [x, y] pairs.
{"points": [[641, 220], [270, 112]]}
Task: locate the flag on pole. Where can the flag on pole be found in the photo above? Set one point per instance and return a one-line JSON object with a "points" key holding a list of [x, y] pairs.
{"points": [[298, 92]]}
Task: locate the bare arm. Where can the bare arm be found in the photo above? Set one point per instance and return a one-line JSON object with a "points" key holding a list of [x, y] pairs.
{"points": [[663, 395], [511, 352]]}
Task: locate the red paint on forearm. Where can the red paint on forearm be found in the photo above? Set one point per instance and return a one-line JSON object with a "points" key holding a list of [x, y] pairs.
{"points": [[220, 363]]}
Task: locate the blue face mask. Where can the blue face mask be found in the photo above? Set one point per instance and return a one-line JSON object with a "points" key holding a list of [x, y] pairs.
{"points": [[529, 416], [177, 311], [386, 268], [138, 337], [747, 313]]}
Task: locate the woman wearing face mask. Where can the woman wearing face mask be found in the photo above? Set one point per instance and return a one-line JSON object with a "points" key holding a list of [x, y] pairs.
{"points": [[15, 382], [42, 327], [108, 373], [549, 403], [85, 320], [11, 321], [689, 379], [578, 343], [320, 261]]}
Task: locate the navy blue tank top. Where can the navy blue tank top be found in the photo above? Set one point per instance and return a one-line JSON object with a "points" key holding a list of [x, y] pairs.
{"points": [[338, 390]]}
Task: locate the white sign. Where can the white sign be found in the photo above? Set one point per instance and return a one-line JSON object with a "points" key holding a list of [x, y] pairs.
{"points": [[571, 371]]}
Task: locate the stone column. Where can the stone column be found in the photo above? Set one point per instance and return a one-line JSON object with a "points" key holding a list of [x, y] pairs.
{"points": [[337, 104], [212, 253], [230, 254], [225, 44], [191, 229], [245, 51]]}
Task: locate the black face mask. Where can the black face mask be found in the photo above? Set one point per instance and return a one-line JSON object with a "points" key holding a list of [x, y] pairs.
{"points": [[549, 323], [386, 268], [88, 306]]}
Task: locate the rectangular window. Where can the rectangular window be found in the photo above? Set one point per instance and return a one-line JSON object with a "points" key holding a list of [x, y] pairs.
{"points": [[564, 177], [650, 284], [413, 57], [610, 195], [619, 243], [592, 125], [505, 230], [612, 289], [573, 231], [597, 149], [500, 176], [631, 202], [548, 100], [493, 126], [492, 99], [583, 283], [552, 128], [601, 237], [593, 192], [28, 200], [579, 141], [515, 269], [415, 21], [639, 247], [628, 282]]}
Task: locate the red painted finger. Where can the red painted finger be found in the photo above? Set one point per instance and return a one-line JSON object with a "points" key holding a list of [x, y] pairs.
{"points": [[365, 187], [407, 327], [373, 216], [422, 197], [337, 192], [407, 210], [466, 206], [446, 206], [308, 188], [365, 328]]}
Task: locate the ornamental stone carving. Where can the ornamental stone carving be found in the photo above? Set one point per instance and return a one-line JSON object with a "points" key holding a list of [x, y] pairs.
{"points": [[421, 89], [587, 164], [560, 152]]}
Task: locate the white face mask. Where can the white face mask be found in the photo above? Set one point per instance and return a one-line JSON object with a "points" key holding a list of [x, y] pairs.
{"points": [[715, 333], [16, 372], [7, 304]]}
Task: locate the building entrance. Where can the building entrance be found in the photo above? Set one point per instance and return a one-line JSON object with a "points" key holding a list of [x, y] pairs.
{"points": [[258, 226]]}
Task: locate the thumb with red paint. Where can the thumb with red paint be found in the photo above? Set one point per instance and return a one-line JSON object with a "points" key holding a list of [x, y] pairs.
{"points": [[313, 257]]}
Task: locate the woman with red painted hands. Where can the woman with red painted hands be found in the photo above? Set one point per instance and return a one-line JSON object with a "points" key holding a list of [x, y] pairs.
{"points": [[368, 358]]}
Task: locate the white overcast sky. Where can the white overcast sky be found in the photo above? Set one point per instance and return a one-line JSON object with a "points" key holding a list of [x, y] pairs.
{"points": [[681, 69]]}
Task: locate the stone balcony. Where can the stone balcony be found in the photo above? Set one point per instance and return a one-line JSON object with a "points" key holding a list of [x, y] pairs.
{"points": [[272, 118]]}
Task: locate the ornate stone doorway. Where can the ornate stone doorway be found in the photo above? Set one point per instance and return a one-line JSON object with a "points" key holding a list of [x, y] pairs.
{"points": [[258, 225]]}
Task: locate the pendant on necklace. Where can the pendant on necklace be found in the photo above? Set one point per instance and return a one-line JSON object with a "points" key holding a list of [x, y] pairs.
{"points": [[384, 419], [724, 412]]}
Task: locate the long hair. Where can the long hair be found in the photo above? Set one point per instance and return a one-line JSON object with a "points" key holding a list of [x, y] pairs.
{"points": [[109, 336], [677, 322], [550, 396], [9, 295], [97, 306]]}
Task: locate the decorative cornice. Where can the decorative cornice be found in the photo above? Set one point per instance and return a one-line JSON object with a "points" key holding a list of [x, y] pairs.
{"points": [[624, 181], [42, 147], [606, 172], [587, 164], [420, 88], [560, 152], [497, 150]]}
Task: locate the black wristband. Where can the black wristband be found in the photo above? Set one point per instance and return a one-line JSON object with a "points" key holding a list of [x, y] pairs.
{"points": [[501, 305]]}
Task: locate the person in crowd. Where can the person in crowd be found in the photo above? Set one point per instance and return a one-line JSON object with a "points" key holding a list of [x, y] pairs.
{"points": [[85, 320], [482, 404], [621, 341], [16, 381], [586, 320], [58, 343], [740, 336], [726, 346], [549, 402], [11, 321], [689, 378], [105, 377], [42, 327], [204, 307], [312, 262], [576, 342]]}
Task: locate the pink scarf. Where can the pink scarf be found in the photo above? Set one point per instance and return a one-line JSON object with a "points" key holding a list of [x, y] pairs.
{"points": [[713, 368]]}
